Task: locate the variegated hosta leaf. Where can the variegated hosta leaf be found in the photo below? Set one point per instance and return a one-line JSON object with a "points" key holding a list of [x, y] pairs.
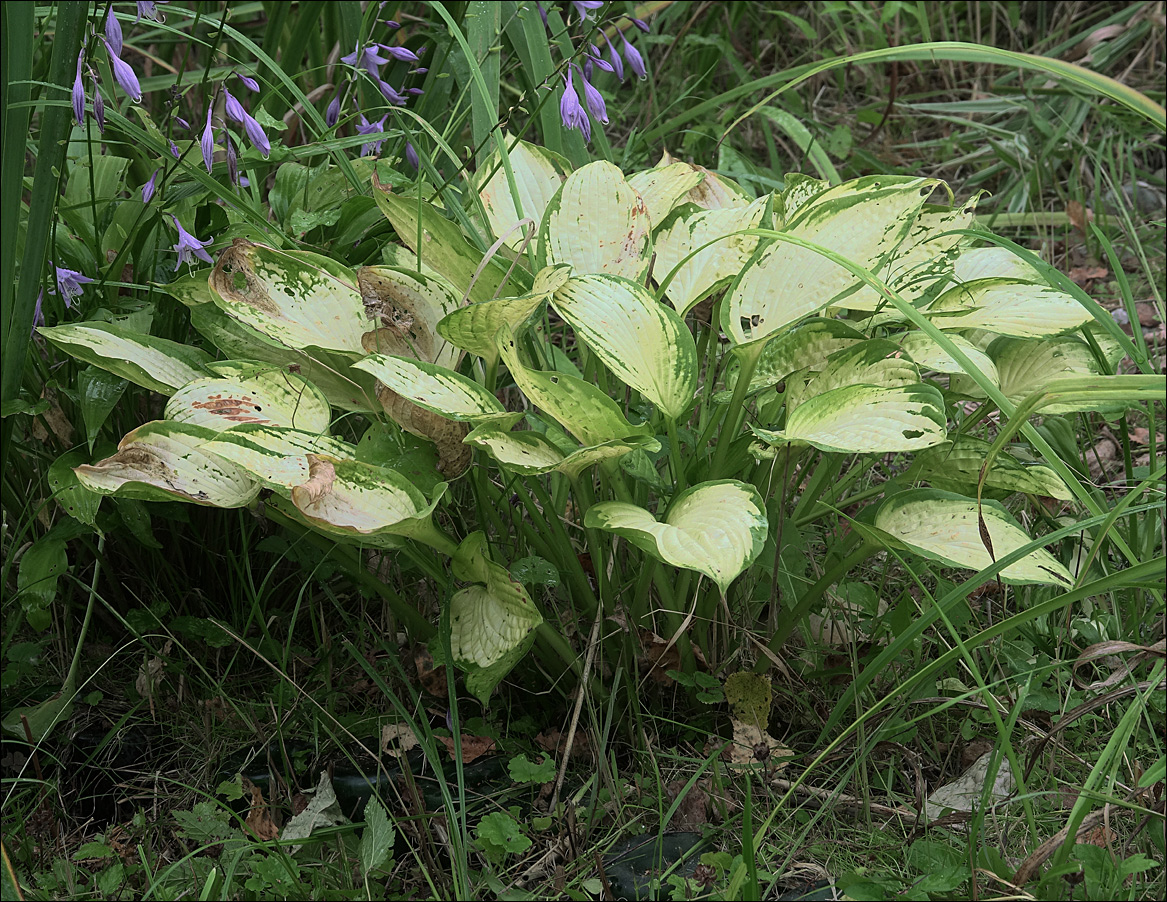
{"points": [[863, 220], [277, 456], [251, 393], [352, 498], [714, 192], [191, 289], [640, 340], [581, 408], [531, 453], [598, 223], [154, 363], [992, 263], [1029, 366], [435, 388], [797, 191], [444, 248], [716, 528], [164, 461], [930, 356], [805, 347], [956, 467], [473, 328], [875, 361], [538, 174], [924, 261], [299, 299], [710, 269], [492, 623], [1008, 307], [664, 187], [944, 527], [858, 419], [405, 309]]}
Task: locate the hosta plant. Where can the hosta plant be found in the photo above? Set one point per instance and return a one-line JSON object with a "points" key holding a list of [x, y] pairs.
{"points": [[639, 388]]}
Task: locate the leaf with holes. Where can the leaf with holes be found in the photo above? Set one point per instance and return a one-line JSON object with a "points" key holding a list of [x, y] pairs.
{"points": [[245, 392], [861, 419], [863, 221], [299, 299], [716, 528], [405, 309]]}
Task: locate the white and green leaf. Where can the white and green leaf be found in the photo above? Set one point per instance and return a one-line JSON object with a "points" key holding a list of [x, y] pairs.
{"points": [[246, 392], [956, 467], [299, 299], [874, 361], [640, 340], [154, 363], [538, 175], [403, 310], [861, 419], [710, 269], [435, 388], [924, 350], [1008, 307], [531, 453], [715, 528], [945, 527], [663, 187], [597, 223], [863, 221], [275, 455], [164, 461]]}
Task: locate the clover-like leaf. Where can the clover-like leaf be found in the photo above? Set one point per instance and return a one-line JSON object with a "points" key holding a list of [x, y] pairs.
{"points": [[716, 528]]}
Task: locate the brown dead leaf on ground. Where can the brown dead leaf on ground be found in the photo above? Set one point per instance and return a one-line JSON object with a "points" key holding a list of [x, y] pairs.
{"points": [[1141, 435], [473, 747], [553, 741], [1079, 215], [1080, 275], [693, 811], [431, 678], [259, 819], [150, 674], [397, 739]]}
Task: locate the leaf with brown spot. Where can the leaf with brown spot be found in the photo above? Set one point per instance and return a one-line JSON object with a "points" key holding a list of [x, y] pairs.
{"points": [[453, 456]]}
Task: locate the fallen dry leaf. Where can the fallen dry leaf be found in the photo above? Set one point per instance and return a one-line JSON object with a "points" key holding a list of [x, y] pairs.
{"points": [[1083, 274], [473, 747], [397, 739], [693, 811], [553, 741], [1079, 215], [431, 678], [259, 820]]}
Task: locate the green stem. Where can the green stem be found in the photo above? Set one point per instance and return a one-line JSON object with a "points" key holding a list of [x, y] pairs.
{"points": [[748, 359], [815, 593], [679, 478]]}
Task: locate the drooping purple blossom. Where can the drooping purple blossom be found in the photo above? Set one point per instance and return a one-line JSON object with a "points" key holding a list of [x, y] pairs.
{"points": [[38, 312], [368, 59], [248, 82], [401, 54], [98, 106], [390, 94], [598, 59], [187, 245], [595, 102], [572, 112], [332, 114], [113, 32], [79, 91], [411, 156], [68, 282], [255, 133], [181, 123], [149, 188], [585, 7], [614, 59], [369, 128], [174, 151], [233, 108], [125, 75], [149, 11], [634, 59], [207, 143], [641, 24], [389, 23]]}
